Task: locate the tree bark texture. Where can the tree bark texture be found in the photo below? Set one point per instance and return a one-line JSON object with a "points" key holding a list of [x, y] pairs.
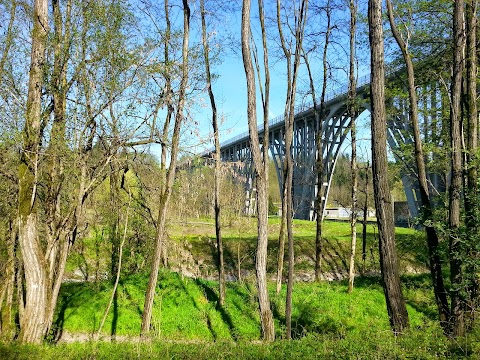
{"points": [[395, 302], [167, 189], [432, 237], [472, 220], [457, 327], [33, 321], [218, 228], [266, 317], [7, 321], [352, 113]]}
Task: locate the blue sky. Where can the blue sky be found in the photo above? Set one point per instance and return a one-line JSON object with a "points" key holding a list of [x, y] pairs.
{"points": [[230, 86]]}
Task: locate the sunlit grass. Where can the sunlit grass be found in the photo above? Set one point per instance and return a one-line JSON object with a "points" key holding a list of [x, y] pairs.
{"points": [[328, 323]]}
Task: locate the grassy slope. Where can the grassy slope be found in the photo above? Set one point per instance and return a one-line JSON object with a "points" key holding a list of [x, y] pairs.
{"points": [[328, 322], [239, 237]]}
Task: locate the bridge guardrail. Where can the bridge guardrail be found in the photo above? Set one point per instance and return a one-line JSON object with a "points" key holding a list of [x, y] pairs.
{"points": [[341, 90]]}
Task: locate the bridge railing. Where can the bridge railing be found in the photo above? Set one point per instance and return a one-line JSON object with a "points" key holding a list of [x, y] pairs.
{"points": [[304, 106]]}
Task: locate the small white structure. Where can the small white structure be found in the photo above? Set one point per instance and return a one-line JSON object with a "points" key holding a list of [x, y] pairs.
{"points": [[341, 212]]}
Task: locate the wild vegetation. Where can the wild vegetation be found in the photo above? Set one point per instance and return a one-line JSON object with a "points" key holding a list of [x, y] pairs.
{"points": [[111, 226], [327, 321]]}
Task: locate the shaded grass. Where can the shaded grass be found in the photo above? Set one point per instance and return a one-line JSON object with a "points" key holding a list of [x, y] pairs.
{"points": [[416, 344], [327, 322], [187, 310], [184, 309], [239, 239]]}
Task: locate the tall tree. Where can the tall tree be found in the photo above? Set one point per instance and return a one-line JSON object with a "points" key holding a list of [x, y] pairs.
{"points": [[456, 275], [471, 193], [352, 113], [33, 321], [170, 176], [218, 233], [292, 76], [426, 203], [321, 114], [7, 289], [396, 307], [261, 175]]}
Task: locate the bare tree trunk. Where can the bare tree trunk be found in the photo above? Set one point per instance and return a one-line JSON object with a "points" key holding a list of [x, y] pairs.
{"points": [[396, 308], [471, 195], [352, 113], [457, 327], [220, 265], [300, 16], [32, 323], [319, 168], [432, 237], [261, 173], [365, 217], [165, 196], [319, 145], [281, 245], [119, 270], [7, 323]]}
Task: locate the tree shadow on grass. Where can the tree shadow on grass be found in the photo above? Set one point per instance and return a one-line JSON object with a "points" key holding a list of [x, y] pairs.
{"points": [[195, 304], [409, 282], [59, 323], [71, 297], [212, 296], [113, 329], [132, 299], [338, 254], [422, 282]]}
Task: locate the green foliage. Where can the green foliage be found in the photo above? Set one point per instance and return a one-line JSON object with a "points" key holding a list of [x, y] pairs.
{"points": [[184, 309], [272, 208], [328, 323]]}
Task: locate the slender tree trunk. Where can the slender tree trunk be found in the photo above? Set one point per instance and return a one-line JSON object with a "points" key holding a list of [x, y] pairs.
{"points": [[117, 277], [352, 113], [266, 317], [114, 218], [300, 16], [218, 233], [471, 195], [319, 168], [32, 323], [319, 148], [281, 246], [7, 323], [165, 196], [457, 327], [396, 307], [365, 218], [432, 237]]}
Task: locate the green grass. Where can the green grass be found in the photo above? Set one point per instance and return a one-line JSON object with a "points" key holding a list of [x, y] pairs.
{"points": [[186, 309], [239, 238], [328, 323], [416, 344]]}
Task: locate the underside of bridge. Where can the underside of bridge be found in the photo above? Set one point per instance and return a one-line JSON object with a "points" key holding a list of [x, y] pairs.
{"points": [[333, 128]]}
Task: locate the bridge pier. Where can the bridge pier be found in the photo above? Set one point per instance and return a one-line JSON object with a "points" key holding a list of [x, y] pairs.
{"points": [[333, 129]]}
